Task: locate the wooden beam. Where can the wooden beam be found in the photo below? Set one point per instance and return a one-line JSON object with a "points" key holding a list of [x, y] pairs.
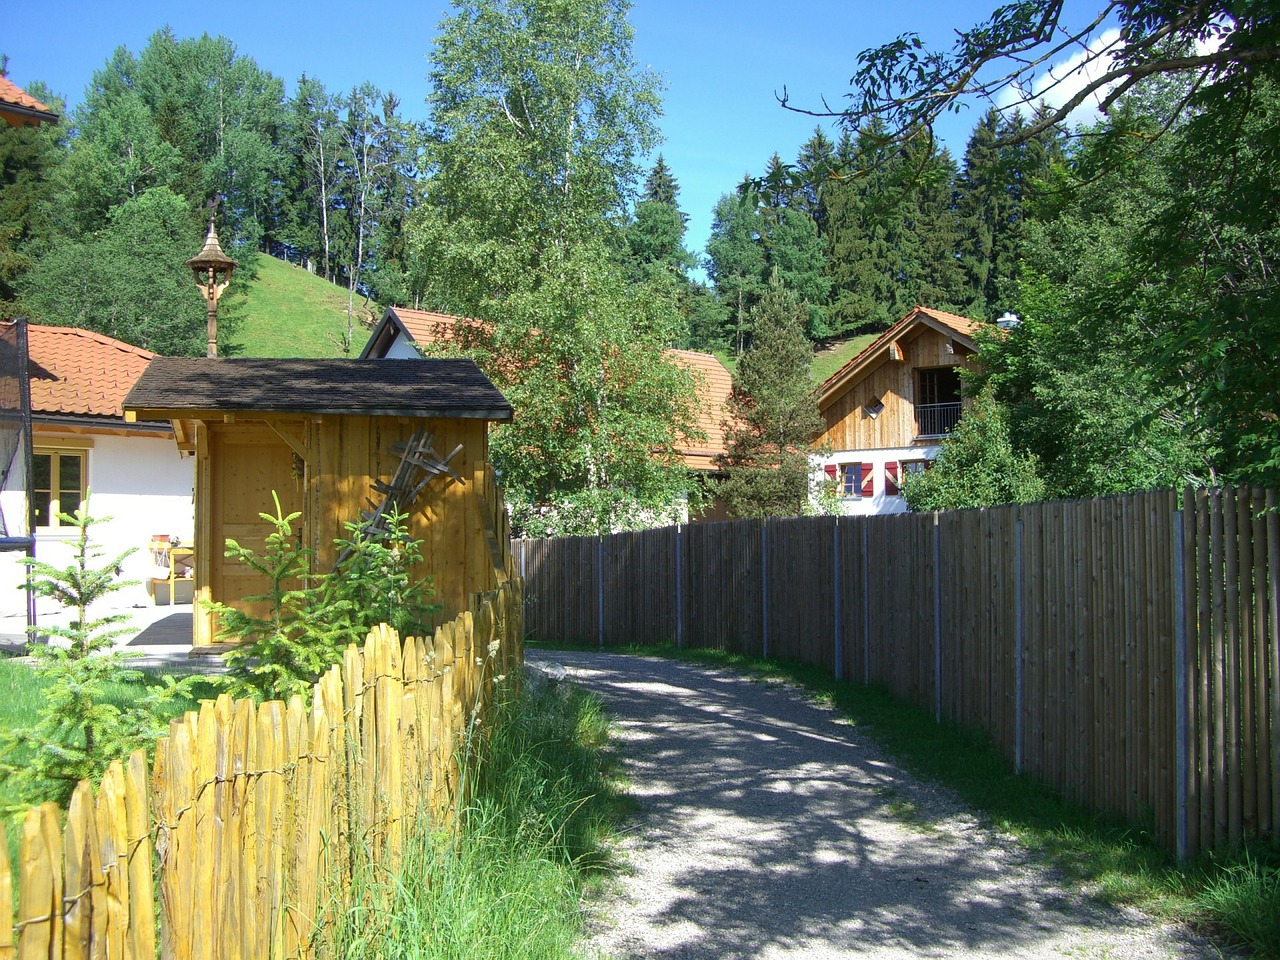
{"points": [[130, 417], [298, 446], [895, 350]]}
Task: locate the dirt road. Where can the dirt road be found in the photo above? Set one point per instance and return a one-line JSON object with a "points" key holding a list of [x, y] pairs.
{"points": [[770, 829]]}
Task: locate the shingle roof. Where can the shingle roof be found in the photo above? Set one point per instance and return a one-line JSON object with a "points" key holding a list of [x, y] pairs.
{"points": [[411, 388], [79, 372], [962, 327], [714, 384], [18, 107]]}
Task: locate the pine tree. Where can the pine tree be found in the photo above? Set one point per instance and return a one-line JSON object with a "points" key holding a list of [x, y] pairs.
{"points": [[772, 416], [660, 186], [735, 260]]}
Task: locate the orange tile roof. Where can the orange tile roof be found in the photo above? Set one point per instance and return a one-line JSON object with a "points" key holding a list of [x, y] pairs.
{"points": [[836, 384], [425, 326], [713, 384], [81, 373], [23, 108]]}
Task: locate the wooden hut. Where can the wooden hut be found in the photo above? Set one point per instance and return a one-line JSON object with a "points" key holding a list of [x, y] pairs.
{"points": [[334, 439]]}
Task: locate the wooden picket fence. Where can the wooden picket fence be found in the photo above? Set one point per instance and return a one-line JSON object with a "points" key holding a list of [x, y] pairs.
{"points": [[1123, 650], [253, 819]]}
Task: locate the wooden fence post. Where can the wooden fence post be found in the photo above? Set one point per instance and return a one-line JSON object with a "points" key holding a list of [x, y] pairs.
{"points": [[937, 621], [1180, 663], [839, 611], [1018, 640]]}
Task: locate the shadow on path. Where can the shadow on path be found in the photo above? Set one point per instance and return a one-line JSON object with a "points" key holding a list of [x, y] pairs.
{"points": [[768, 829]]}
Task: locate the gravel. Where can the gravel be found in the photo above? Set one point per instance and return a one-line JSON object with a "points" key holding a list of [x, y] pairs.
{"points": [[770, 828]]}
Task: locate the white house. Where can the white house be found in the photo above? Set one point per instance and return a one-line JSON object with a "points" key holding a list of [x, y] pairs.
{"points": [[81, 443]]}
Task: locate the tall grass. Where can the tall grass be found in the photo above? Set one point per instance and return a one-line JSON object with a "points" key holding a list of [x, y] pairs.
{"points": [[508, 884]]}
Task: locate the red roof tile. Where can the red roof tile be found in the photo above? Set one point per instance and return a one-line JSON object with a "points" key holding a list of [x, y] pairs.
{"points": [[22, 107], [713, 384], [79, 372]]}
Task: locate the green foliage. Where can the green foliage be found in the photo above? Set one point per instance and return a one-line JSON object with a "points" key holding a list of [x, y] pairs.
{"points": [[29, 155], [978, 466], [735, 261], [772, 415], [311, 618], [509, 885], [538, 114], [79, 729], [128, 280]]}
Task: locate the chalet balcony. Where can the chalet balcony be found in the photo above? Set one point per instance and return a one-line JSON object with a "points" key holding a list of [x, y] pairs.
{"points": [[936, 419]]}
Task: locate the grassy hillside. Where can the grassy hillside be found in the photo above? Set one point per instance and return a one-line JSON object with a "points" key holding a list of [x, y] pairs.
{"points": [[291, 313], [825, 362], [828, 361]]}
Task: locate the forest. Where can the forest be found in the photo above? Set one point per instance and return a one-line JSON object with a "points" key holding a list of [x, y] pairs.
{"points": [[1136, 251]]}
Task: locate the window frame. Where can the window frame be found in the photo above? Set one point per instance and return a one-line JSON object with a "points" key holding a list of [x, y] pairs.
{"points": [[56, 450]]}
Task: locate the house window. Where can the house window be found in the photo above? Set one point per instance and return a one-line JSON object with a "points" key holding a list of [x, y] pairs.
{"points": [[874, 407], [850, 479], [937, 401], [916, 466], [57, 484]]}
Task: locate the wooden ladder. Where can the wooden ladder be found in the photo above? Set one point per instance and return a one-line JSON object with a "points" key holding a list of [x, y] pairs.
{"points": [[419, 465]]}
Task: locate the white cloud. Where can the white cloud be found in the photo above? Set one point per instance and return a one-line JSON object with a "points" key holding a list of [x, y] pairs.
{"points": [[1063, 80]]}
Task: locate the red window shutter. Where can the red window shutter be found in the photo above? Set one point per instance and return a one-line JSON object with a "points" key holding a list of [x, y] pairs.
{"points": [[830, 470], [891, 478], [868, 480]]}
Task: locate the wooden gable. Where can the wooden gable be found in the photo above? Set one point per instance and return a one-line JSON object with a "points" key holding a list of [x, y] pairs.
{"points": [[870, 403]]}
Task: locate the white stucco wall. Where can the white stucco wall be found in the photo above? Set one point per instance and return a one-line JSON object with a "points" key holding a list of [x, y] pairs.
{"points": [[878, 503], [402, 349], [141, 483]]}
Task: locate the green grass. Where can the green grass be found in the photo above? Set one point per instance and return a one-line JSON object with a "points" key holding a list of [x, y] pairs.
{"points": [[1235, 895], [825, 362], [21, 696], [289, 312], [828, 361], [509, 885]]}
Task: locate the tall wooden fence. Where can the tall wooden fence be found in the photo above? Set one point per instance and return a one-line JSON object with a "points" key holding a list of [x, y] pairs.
{"points": [[254, 817], [1122, 650]]}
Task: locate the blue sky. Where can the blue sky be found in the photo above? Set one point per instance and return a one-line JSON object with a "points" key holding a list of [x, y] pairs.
{"points": [[721, 62]]}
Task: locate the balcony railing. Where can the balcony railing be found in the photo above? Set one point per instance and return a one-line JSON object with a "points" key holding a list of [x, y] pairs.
{"points": [[936, 419]]}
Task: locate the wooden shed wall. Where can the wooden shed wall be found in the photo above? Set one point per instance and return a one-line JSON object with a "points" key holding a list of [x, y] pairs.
{"points": [[329, 481], [894, 383]]}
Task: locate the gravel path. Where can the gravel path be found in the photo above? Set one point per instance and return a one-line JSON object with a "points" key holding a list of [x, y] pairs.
{"points": [[769, 828]]}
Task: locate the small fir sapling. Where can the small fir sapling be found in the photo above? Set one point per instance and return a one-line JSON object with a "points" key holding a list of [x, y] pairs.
{"points": [[79, 730]]}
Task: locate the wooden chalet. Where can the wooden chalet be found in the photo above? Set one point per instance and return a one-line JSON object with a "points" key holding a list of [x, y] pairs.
{"points": [[888, 409], [335, 440]]}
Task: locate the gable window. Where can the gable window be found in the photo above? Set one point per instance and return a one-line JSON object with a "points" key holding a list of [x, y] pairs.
{"points": [[57, 484], [937, 401]]}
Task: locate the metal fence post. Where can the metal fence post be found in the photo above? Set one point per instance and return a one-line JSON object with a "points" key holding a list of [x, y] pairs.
{"points": [[1018, 640], [1181, 727], [679, 587], [839, 611], [764, 588], [937, 622]]}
